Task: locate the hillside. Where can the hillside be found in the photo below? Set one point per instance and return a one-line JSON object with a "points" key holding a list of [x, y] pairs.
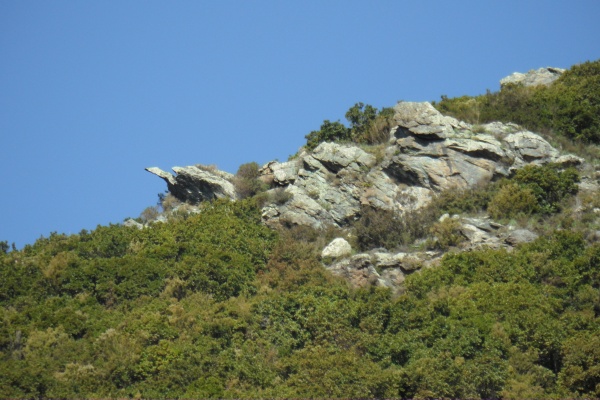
{"points": [[424, 250]]}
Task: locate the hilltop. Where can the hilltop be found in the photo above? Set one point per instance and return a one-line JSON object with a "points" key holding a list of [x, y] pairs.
{"points": [[443, 249]]}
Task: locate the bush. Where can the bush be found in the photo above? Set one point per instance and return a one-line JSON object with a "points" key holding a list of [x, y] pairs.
{"points": [[388, 229], [533, 189], [247, 180], [367, 125], [549, 184], [570, 106], [447, 233], [329, 132], [512, 200]]}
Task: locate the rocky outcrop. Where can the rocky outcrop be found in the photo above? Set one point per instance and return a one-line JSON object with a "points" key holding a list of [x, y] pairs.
{"points": [[383, 269], [535, 77], [380, 267], [427, 153], [197, 183], [423, 121]]}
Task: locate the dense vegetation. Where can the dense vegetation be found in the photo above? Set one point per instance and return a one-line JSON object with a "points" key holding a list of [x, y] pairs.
{"points": [[569, 107], [215, 304]]}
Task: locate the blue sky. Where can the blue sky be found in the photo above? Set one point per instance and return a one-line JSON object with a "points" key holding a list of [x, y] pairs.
{"points": [[91, 93]]}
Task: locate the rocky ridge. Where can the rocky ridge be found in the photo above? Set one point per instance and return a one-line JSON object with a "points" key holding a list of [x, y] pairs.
{"points": [[535, 77], [426, 153]]}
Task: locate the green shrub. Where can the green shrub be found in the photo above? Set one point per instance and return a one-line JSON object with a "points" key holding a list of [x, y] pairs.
{"points": [[533, 189], [464, 200], [329, 132], [569, 107], [549, 184], [388, 229], [446, 233], [247, 180], [512, 200], [367, 125]]}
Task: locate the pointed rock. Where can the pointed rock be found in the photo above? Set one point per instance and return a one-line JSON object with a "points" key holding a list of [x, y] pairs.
{"points": [[194, 184]]}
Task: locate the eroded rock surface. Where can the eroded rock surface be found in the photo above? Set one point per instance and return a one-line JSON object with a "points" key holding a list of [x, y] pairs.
{"points": [[194, 184], [427, 153], [535, 77]]}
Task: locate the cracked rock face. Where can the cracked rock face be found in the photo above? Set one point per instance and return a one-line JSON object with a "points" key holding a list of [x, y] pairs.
{"points": [[426, 153], [193, 184]]}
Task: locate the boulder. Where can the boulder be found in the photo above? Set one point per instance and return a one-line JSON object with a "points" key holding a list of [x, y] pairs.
{"points": [[520, 236], [336, 157], [280, 173], [535, 77], [405, 262], [424, 121], [338, 247]]}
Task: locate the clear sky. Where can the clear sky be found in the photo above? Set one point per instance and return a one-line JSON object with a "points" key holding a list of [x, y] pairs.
{"points": [[92, 92]]}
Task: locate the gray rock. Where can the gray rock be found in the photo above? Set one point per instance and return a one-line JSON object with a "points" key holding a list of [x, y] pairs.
{"points": [[133, 223], [528, 147], [424, 121], [430, 153], [193, 184], [336, 157], [406, 262], [338, 247], [280, 173], [542, 76], [520, 236], [358, 270]]}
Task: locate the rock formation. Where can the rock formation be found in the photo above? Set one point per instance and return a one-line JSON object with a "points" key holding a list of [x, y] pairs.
{"points": [[426, 153], [542, 76], [197, 183]]}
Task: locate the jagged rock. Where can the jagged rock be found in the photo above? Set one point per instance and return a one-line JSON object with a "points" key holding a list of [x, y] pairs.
{"points": [[424, 121], [301, 209], [382, 268], [193, 184], [133, 223], [530, 147], [520, 236], [336, 157], [427, 153], [338, 247], [442, 164], [358, 270], [393, 278], [569, 160], [430, 153], [281, 173], [535, 77], [500, 129]]}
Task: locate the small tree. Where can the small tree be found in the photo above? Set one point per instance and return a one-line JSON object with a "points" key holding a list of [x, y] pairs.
{"points": [[247, 182], [329, 132]]}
